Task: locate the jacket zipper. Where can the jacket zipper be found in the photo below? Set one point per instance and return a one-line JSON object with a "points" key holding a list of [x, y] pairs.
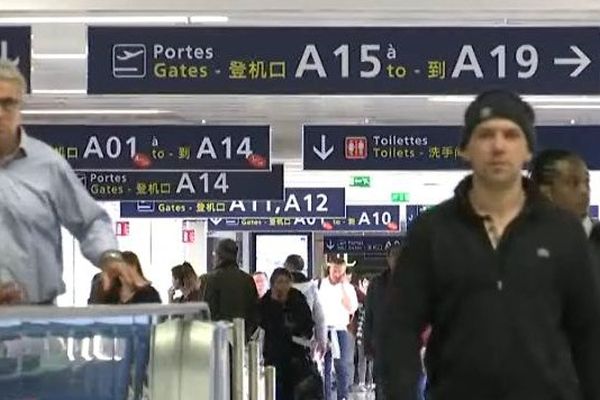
{"points": [[494, 254], [499, 253], [499, 284]]}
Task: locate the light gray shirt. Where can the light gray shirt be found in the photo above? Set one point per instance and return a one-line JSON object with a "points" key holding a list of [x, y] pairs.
{"points": [[39, 193], [588, 225]]}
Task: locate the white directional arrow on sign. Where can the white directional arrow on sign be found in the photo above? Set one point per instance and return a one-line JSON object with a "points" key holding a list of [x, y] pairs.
{"points": [[330, 245], [582, 61], [4, 53], [323, 153]]}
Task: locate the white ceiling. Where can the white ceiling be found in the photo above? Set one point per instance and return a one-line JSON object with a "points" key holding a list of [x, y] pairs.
{"points": [[285, 113]]}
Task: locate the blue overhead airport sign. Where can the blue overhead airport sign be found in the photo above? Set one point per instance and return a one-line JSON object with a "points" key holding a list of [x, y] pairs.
{"points": [[358, 219], [369, 147], [413, 211], [298, 202], [593, 212], [583, 140], [160, 147], [180, 186], [342, 60], [388, 147], [366, 218], [371, 245], [15, 46]]}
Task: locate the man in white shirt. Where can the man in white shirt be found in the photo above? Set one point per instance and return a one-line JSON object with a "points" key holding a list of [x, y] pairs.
{"points": [[338, 298]]}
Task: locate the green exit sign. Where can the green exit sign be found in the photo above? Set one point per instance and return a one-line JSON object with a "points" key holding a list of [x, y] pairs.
{"points": [[361, 181], [400, 197]]}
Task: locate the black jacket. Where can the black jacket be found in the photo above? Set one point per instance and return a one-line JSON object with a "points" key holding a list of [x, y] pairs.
{"points": [[521, 322], [231, 293], [595, 239], [375, 311], [147, 294], [299, 277], [280, 322]]}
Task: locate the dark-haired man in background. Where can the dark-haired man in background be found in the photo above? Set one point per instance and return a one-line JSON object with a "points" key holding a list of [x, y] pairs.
{"points": [[231, 292], [563, 177]]}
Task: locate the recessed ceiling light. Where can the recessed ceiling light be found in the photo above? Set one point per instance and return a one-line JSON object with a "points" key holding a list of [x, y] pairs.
{"points": [[208, 19], [59, 56], [568, 107], [58, 91], [90, 19], [450, 99], [94, 112], [528, 98]]}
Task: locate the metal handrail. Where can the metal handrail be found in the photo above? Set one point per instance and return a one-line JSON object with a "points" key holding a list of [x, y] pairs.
{"points": [[253, 369], [270, 377], [239, 352], [101, 311]]}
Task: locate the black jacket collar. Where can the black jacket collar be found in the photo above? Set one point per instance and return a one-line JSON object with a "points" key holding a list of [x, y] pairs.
{"points": [[533, 198], [294, 295], [595, 233], [299, 277], [226, 265]]}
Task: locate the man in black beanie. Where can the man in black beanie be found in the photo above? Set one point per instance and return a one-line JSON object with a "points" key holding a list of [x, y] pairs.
{"points": [[504, 278]]}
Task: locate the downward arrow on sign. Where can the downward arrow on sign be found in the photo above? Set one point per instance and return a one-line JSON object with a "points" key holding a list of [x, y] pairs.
{"points": [[4, 54], [582, 61], [323, 153]]}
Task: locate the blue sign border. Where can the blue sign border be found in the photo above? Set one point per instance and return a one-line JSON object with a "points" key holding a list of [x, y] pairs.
{"points": [[169, 140], [126, 186], [279, 224], [367, 245], [436, 149], [410, 60], [336, 201]]}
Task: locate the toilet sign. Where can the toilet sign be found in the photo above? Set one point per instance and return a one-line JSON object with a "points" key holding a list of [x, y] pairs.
{"points": [[421, 147], [188, 235], [122, 228]]}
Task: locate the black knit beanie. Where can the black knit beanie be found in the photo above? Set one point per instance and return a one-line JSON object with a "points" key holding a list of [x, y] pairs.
{"points": [[499, 104]]}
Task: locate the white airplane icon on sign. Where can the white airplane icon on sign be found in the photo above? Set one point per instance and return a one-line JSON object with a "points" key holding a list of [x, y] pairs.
{"points": [[129, 61]]}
